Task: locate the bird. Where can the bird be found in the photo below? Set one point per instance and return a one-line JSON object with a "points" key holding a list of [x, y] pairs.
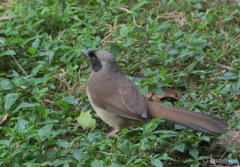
{"points": [[120, 104]]}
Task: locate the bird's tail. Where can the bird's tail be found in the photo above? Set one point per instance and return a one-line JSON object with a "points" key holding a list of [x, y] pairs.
{"points": [[190, 119]]}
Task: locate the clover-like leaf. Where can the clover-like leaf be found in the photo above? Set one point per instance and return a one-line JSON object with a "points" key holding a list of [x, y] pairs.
{"points": [[85, 120]]}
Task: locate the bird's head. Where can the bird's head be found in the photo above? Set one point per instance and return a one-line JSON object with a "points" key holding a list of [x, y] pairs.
{"points": [[101, 60]]}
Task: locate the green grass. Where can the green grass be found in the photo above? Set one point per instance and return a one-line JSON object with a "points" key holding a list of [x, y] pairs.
{"points": [[191, 46]]}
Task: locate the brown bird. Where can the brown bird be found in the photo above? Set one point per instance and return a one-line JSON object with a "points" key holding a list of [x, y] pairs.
{"points": [[120, 104]]}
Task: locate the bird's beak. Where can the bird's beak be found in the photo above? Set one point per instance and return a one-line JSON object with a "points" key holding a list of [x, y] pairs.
{"points": [[85, 52]]}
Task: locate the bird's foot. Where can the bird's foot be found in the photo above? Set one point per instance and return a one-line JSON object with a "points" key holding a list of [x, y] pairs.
{"points": [[112, 133]]}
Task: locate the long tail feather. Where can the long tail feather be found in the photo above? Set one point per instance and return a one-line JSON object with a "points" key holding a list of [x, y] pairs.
{"points": [[190, 119]]}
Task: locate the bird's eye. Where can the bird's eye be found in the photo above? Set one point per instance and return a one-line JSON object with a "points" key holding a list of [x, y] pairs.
{"points": [[93, 59]]}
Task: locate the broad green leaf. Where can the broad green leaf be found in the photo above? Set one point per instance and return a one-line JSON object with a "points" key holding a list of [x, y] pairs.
{"points": [[96, 41], [49, 56], [138, 5], [71, 100], [44, 131], [63, 143], [21, 125], [85, 120], [178, 33], [123, 31], [157, 90], [151, 126], [166, 157], [47, 46], [10, 100], [179, 45], [36, 43], [63, 104], [125, 147], [78, 154], [32, 51], [195, 164], [29, 163], [42, 111], [144, 90], [238, 124], [184, 97], [36, 69], [97, 163], [8, 52], [166, 132], [226, 89], [145, 144], [146, 71], [172, 52], [5, 142], [6, 84], [238, 83], [94, 136], [60, 162], [157, 163], [204, 25], [205, 138], [197, 6], [204, 157], [138, 29], [30, 136], [232, 75], [2, 39], [25, 105], [115, 49], [180, 147], [194, 153], [220, 87], [130, 160], [47, 121], [19, 39], [127, 42], [8, 129], [161, 27]]}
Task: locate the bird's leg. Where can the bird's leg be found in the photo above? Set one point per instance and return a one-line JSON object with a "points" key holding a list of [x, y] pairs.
{"points": [[112, 133]]}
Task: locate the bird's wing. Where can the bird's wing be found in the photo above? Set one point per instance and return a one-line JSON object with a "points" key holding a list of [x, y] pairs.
{"points": [[132, 98], [121, 98]]}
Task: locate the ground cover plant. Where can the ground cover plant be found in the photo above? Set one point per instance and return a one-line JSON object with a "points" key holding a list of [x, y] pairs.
{"points": [[192, 47]]}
